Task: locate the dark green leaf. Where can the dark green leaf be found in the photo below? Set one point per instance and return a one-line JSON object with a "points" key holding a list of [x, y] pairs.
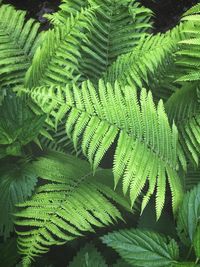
{"points": [[143, 248]]}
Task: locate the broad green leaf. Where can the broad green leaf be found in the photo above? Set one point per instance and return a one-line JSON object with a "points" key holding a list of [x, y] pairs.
{"points": [[188, 215], [17, 182], [143, 248], [88, 257]]}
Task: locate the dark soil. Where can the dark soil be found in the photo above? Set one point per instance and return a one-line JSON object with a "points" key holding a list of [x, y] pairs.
{"points": [[167, 12]]}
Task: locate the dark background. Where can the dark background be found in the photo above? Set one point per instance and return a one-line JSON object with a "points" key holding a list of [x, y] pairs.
{"points": [[167, 12]]}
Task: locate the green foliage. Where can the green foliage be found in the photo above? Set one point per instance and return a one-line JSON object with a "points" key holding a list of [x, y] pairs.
{"points": [[8, 253], [149, 64], [141, 129], [18, 42], [187, 118], [71, 204], [188, 56], [188, 216], [143, 248], [57, 60], [192, 177], [17, 177], [15, 128], [121, 263], [88, 257], [100, 86], [196, 242], [117, 28], [17, 182]]}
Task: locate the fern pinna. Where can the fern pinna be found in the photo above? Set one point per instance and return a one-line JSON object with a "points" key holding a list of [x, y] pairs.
{"points": [[99, 85]]}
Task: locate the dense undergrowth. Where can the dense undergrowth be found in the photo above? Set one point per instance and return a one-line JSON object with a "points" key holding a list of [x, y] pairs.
{"points": [[99, 137]]}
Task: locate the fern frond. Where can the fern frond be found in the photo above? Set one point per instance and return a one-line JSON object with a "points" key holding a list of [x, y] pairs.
{"points": [[192, 178], [88, 256], [143, 248], [150, 64], [66, 9], [188, 56], [60, 141], [183, 108], [118, 27], [146, 145], [18, 42], [74, 202], [56, 61]]}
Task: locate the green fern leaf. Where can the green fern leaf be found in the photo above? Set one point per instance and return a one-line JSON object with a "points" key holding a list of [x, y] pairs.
{"points": [[183, 108], [192, 177], [117, 28], [143, 248], [88, 257], [56, 61], [66, 9], [147, 148], [188, 56], [149, 64], [18, 42], [74, 202]]}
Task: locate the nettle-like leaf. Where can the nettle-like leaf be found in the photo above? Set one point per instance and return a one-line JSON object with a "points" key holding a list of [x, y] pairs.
{"points": [[147, 147], [188, 215], [183, 108], [72, 203], [17, 182], [88, 256], [143, 248], [56, 61], [18, 41]]}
